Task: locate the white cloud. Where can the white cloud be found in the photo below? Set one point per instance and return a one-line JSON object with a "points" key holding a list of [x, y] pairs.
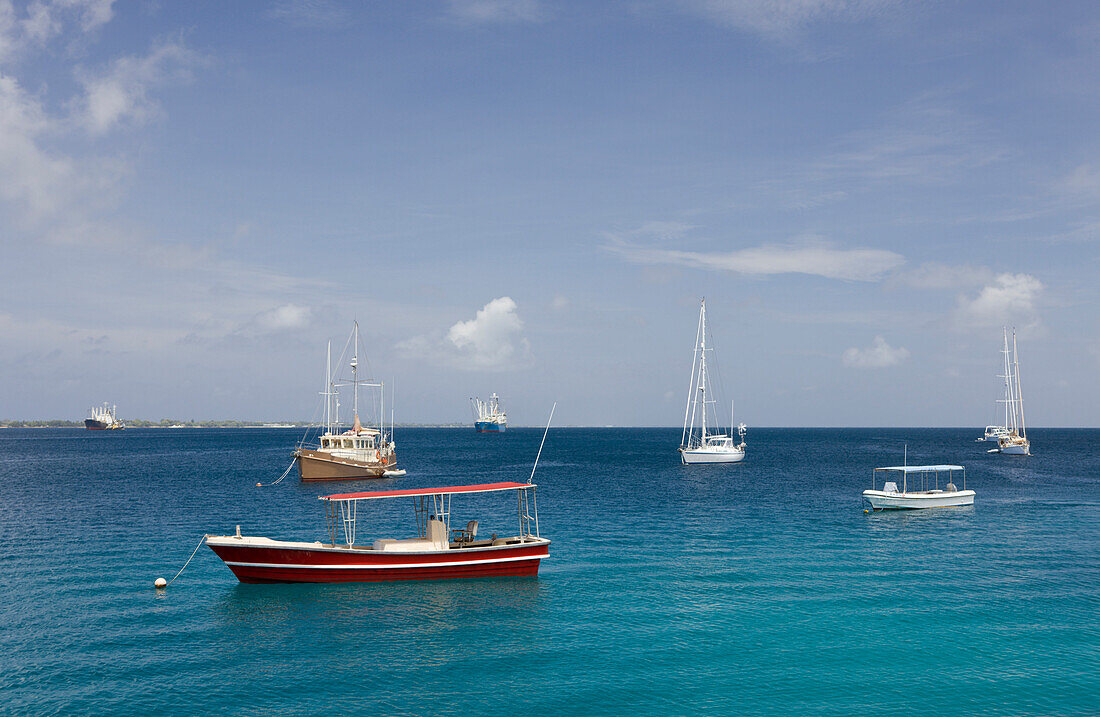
{"points": [[490, 340], [932, 275], [121, 93], [43, 183], [878, 355], [30, 176], [45, 19], [497, 11], [809, 256], [777, 18], [285, 317], [1011, 299]]}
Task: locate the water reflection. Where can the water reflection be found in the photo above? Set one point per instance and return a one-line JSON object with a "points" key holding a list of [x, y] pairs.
{"points": [[341, 605]]}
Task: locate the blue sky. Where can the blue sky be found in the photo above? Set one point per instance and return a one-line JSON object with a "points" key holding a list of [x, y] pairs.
{"points": [[530, 197]]}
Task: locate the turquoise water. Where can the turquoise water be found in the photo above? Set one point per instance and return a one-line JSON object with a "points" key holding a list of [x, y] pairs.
{"points": [[748, 589]]}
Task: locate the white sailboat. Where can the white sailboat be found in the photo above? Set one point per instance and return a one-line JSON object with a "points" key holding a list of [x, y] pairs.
{"points": [[993, 434], [697, 443], [1014, 441]]}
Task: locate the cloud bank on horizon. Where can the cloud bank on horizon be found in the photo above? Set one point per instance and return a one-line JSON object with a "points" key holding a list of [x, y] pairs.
{"points": [[864, 192]]}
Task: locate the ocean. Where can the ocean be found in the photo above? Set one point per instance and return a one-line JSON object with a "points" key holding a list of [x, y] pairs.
{"points": [[754, 588]]}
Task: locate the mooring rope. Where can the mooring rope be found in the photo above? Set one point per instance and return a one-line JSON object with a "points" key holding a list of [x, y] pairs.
{"points": [[279, 480], [204, 536]]}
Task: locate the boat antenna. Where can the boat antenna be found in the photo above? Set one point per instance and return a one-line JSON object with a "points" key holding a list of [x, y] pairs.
{"points": [[905, 474], [547, 430]]}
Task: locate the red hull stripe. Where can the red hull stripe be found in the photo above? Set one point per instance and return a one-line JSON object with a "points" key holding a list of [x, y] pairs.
{"points": [[449, 490], [255, 574], [368, 558], [382, 566]]}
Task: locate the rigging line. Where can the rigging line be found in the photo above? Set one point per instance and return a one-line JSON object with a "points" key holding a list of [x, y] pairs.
{"points": [[204, 536], [720, 394], [689, 429], [279, 480], [547, 430]]}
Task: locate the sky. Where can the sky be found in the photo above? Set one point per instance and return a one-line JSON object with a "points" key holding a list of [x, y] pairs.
{"points": [[531, 197]]}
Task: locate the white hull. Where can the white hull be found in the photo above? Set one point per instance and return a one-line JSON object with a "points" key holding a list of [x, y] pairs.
{"points": [[704, 456], [881, 500], [1017, 449]]}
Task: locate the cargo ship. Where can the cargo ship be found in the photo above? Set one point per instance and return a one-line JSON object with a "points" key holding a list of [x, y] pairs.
{"points": [[489, 417], [104, 418]]}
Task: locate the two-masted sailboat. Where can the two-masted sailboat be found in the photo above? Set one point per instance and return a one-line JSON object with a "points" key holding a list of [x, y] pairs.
{"points": [[697, 443], [359, 452], [1012, 440]]}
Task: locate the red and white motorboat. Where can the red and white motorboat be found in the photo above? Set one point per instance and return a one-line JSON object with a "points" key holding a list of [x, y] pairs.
{"points": [[438, 551]]}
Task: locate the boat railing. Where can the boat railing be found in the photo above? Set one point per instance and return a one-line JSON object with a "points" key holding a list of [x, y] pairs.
{"points": [[432, 510], [923, 471]]}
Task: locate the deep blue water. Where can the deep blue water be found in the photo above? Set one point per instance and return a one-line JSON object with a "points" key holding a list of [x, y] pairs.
{"points": [[754, 588]]}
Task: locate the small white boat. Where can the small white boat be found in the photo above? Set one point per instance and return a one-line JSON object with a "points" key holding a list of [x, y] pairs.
{"points": [[993, 434], [702, 446], [930, 495], [400, 472]]}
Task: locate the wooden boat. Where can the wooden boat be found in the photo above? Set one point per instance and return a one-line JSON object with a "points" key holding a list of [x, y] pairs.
{"points": [[357, 452], [438, 550], [929, 496]]}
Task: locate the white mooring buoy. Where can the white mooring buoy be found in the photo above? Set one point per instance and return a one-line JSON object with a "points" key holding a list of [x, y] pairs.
{"points": [[160, 583]]}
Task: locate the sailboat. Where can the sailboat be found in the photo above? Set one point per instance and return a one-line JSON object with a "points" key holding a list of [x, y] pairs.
{"points": [[993, 434], [358, 452], [1014, 441], [697, 443]]}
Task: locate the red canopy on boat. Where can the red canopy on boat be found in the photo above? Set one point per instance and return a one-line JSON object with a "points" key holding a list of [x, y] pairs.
{"points": [[450, 490]]}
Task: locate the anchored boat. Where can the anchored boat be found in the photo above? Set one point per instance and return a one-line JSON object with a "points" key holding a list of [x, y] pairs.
{"points": [[104, 418], [704, 446], [489, 417], [1014, 441], [437, 551], [930, 494], [359, 452]]}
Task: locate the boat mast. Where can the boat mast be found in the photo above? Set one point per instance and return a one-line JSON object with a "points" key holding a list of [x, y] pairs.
{"points": [[689, 407], [1008, 391], [1010, 387], [703, 371], [1019, 394], [328, 388], [355, 373]]}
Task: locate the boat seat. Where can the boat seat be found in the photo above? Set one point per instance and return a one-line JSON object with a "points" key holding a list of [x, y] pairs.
{"points": [[890, 487], [951, 488], [408, 545], [467, 535]]}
